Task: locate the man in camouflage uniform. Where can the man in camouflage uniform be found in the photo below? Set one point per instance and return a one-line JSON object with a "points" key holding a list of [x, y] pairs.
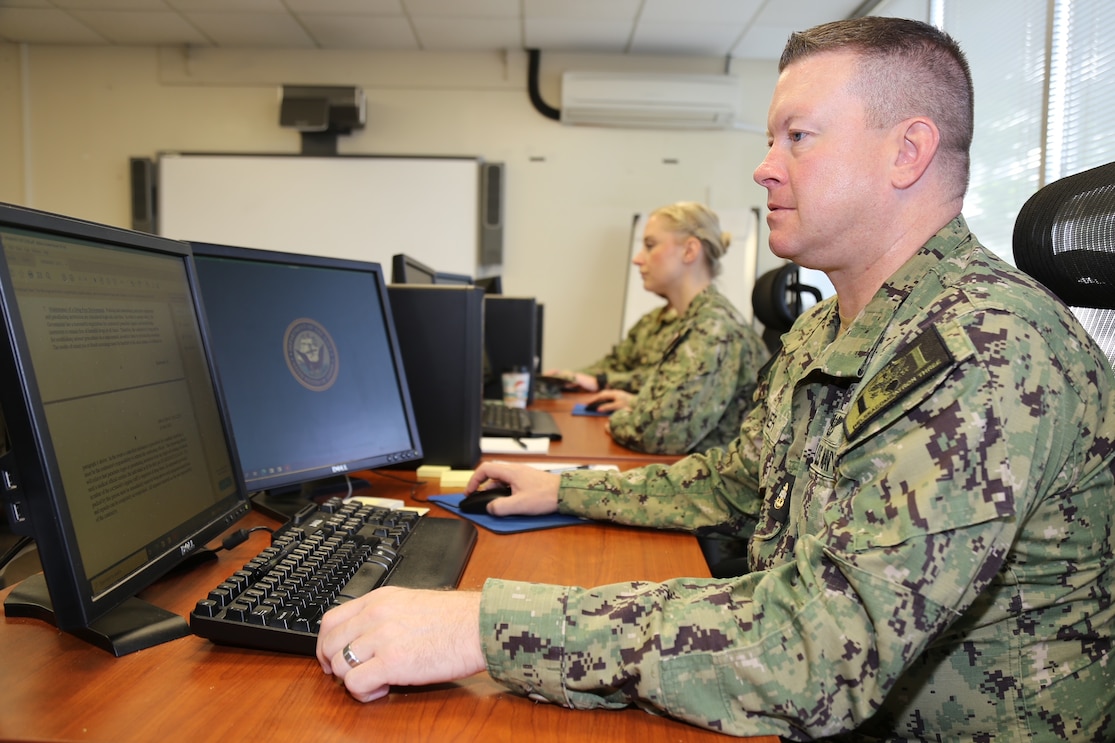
{"points": [[696, 395], [926, 484]]}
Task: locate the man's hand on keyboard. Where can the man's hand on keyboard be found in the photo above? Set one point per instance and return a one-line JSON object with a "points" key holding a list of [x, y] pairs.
{"points": [[401, 637], [533, 491]]}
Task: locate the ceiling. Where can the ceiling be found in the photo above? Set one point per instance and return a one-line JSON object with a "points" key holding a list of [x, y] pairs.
{"points": [[748, 29]]}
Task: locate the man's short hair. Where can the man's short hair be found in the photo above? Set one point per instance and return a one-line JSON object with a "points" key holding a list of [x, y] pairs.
{"points": [[907, 68]]}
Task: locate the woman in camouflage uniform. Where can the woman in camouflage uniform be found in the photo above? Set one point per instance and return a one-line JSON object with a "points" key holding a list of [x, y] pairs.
{"points": [[683, 377]]}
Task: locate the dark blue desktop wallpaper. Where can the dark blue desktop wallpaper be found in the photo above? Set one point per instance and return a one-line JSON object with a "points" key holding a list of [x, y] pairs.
{"points": [[305, 365]]}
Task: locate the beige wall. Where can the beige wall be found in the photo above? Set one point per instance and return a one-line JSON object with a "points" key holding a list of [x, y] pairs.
{"points": [[72, 116]]}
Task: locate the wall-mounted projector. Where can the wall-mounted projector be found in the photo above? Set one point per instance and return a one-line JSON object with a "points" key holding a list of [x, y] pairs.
{"points": [[321, 108]]}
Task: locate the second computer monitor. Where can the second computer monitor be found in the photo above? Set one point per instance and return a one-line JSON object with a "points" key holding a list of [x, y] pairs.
{"points": [[309, 363]]}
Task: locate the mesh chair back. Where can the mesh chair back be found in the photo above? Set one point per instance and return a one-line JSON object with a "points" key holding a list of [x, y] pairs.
{"points": [[1065, 238]]}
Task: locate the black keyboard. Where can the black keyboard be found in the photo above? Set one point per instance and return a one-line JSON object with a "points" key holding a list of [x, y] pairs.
{"points": [[497, 419], [325, 555]]}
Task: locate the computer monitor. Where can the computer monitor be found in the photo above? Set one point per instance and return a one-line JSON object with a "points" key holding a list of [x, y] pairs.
{"points": [[310, 368], [119, 465], [511, 340], [441, 334], [452, 279], [490, 284], [408, 270]]}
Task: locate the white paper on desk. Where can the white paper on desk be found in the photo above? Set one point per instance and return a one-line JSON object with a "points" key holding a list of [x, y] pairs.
{"points": [[501, 445]]}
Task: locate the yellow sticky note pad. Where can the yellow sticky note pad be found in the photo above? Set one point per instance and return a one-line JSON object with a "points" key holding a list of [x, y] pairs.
{"points": [[455, 479], [432, 471]]}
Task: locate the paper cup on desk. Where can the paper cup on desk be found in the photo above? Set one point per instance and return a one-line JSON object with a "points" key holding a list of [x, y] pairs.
{"points": [[516, 384]]}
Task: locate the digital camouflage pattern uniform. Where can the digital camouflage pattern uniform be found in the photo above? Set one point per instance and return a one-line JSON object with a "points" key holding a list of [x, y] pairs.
{"points": [[630, 360], [931, 508], [697, 394]]}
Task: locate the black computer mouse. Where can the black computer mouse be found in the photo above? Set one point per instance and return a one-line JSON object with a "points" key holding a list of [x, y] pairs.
{"points": [[477, 502], [593, 406]]}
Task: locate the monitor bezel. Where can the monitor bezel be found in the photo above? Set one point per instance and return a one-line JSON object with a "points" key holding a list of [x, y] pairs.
{"points": [[322, 474], [445, 278], [36, 503], [490, 284], [401, 263]]}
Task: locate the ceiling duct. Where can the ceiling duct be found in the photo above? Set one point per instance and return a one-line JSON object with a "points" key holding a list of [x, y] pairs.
{"points": [[651, 100]]}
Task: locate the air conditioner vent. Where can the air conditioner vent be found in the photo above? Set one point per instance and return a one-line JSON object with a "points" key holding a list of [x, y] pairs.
{"points": [[650, 100]]}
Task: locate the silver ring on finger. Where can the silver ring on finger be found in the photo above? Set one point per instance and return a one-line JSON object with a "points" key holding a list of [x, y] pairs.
{"points": [[350, 657]]}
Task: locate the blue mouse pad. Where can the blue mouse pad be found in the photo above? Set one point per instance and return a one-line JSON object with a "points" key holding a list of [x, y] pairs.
{"points": [[505, 524], [579, 409]]}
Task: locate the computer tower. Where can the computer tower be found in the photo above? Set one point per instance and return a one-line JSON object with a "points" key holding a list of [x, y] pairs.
{"points": [[511, 340], [441, 333]]}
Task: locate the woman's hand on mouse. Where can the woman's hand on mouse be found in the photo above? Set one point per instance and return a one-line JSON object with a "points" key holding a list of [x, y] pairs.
{"points": [[575, 380], [612, 400], [533, 491]]}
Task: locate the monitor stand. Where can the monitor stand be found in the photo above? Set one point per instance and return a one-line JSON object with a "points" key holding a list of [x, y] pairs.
{"points": [[133, 625], [284, 503]]}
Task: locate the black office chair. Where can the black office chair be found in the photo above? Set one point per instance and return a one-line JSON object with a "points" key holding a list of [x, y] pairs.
{"points": [[1065, 238], [776, 301]]}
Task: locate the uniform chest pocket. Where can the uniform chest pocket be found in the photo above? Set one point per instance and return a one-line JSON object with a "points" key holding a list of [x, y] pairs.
{"points": [[914, 432]]}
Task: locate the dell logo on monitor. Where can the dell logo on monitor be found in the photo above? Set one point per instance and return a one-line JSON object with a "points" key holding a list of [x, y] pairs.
{"points": [[340, 468], [186, 547]]}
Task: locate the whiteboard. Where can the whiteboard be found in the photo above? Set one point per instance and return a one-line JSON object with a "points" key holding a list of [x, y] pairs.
{"points": [[357, 207], [737, 274]]}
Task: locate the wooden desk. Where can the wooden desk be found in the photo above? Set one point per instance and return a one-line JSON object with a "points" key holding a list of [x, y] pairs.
{"points": [[55, 687]]}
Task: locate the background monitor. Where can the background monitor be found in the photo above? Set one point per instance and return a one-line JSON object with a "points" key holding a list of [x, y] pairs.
{"points": [[441, 334], [512, 331], [453, 279], [309, 365], [119, 465], [490, 284], [408, 270]]}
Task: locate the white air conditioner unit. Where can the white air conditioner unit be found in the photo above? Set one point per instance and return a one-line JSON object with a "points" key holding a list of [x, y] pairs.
{"points": [[650, 100]]}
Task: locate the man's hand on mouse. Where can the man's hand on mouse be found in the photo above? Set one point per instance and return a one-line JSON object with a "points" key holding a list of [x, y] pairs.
{"points": [[533, 491]]}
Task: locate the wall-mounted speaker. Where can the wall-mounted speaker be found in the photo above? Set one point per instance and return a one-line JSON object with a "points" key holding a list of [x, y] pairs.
{"points": [[492, 188], [144, 217]]}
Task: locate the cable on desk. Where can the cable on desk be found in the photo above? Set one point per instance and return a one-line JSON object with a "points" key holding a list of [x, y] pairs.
{"points": [[240, 536], [204, 554]]}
